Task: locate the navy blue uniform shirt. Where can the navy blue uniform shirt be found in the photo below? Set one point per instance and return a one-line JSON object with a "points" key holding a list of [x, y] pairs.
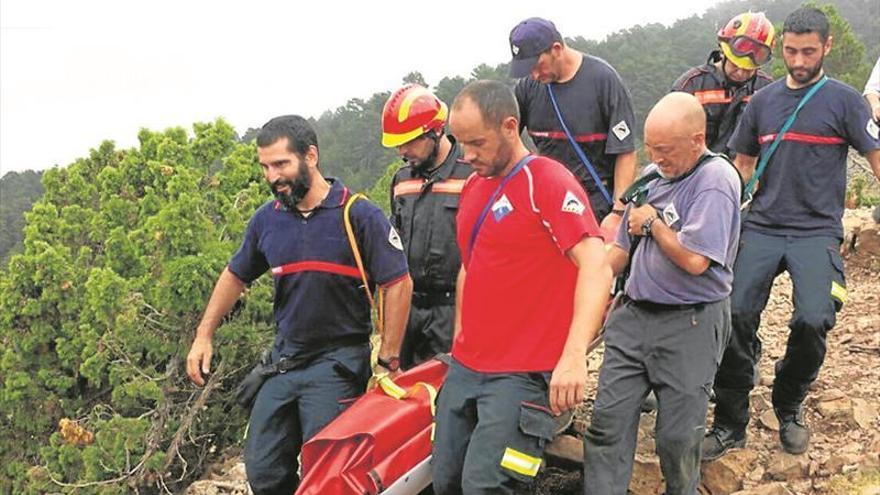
{"points": [[598, 111], [801, 192], [319, 295]]}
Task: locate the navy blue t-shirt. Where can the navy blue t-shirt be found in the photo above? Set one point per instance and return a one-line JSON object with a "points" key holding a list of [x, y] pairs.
{"points": [[597, 110], [801, 192], [319, 295]]}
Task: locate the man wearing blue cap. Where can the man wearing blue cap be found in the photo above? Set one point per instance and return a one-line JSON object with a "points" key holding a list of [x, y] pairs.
{"points": [[577, 111]]}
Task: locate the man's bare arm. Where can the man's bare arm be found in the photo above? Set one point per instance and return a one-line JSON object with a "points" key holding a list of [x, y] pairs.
{"points": [[227, 290]]}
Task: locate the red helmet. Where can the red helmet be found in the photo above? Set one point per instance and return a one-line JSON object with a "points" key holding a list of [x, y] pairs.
{"points": [[410, 112], [747, 40]]}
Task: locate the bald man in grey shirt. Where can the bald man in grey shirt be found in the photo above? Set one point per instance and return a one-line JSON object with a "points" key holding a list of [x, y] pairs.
{"points": [[670, 332]]}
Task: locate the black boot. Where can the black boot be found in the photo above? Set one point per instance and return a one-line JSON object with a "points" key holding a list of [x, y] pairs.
{"points": [[720, 439], [793, 432]]}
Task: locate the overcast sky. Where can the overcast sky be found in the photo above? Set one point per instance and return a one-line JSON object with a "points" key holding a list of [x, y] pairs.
{"points": [[73, 73]]}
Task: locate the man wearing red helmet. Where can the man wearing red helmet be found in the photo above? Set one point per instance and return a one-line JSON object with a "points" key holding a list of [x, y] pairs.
{"points": [[424, 201], [731, 75]]}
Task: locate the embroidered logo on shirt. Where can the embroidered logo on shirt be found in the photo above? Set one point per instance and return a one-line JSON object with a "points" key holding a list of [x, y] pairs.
{"points": [[394, 239], [670, 216], [873, 129], [621, 130], [514, 49], [501, 208], [570, 204]]}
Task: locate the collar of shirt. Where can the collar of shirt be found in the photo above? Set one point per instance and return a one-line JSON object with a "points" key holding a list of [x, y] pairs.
{"points": [[336, 198]]}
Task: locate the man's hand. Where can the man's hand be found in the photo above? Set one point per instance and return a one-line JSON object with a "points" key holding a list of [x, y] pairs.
{"points": [[378, 372], [198, 362], [637, 217], [567, 383]]}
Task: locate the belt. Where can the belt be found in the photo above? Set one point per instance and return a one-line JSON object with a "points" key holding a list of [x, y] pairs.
{"points": [[434, 298], [312, 351], [653, 306]]}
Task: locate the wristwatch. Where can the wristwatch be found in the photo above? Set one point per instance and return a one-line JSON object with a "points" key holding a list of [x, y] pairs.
{"points": [[391, 364], [646, 225]]}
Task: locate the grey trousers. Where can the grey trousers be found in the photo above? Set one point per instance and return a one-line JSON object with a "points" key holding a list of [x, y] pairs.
{"points": [[491, 431], [674, 352]]}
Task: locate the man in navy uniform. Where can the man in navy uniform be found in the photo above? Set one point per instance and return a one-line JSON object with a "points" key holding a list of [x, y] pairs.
{"points": [[321, 311], [793, 225]]}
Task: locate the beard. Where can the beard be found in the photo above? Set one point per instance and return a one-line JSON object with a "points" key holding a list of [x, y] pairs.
{"points": [[806, 74], [664, 175], [428, 163], [297, 188]]}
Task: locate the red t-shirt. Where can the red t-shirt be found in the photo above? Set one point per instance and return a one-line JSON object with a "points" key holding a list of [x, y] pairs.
{"points": [[518, 295]]}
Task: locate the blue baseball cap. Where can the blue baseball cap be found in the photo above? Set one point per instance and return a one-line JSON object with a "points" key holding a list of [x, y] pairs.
{"points": [[528, 40]]}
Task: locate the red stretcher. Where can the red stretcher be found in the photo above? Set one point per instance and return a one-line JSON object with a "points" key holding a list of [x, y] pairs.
{"points": [[381, 443]]}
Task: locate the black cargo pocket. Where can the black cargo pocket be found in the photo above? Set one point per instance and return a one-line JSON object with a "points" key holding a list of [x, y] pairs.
{"points": [[838, 280], [522, 456]]}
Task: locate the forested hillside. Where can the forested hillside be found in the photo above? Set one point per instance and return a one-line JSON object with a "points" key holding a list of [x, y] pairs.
{"points": [[96, 316], [18, 191]]}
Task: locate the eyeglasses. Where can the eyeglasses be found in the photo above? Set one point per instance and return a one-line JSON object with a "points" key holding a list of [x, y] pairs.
{"points": [[743, 46]]}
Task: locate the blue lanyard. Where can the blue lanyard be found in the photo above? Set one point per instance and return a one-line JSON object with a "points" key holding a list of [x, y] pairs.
{"points": [[578, 150], [519, 166]]}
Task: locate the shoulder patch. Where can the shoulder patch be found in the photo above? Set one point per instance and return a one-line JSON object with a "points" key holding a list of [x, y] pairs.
{"points": [[394, 239], [873, 129], [621, 130], [570, 204]]}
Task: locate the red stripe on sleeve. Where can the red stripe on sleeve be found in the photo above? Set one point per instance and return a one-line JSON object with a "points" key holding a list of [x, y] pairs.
{"points": [[803, 138]]}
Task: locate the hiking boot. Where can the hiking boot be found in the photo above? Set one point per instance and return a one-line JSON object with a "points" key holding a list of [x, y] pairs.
{"points": [[793, 432], [720, 439]]}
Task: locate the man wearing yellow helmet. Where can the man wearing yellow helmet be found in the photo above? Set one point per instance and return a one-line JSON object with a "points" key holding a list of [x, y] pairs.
{"points": [[424, 201], [726, 82]]}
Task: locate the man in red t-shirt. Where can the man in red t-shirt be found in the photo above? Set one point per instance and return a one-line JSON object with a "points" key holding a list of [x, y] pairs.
{"points": [[532, 289]]}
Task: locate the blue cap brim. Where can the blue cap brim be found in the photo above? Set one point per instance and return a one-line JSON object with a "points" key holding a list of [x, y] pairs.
{"points": [[522, 67]]}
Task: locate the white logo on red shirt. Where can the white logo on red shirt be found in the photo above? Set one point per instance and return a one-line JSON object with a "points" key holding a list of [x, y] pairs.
{"points": [[501, 208], [570, 204]]}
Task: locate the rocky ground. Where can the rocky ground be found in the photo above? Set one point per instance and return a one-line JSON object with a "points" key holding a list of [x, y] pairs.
{"points": [[841, 410]]}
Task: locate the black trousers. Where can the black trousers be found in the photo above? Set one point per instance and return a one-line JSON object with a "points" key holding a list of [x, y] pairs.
{"points": [[428, 332], [819, 290]]}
